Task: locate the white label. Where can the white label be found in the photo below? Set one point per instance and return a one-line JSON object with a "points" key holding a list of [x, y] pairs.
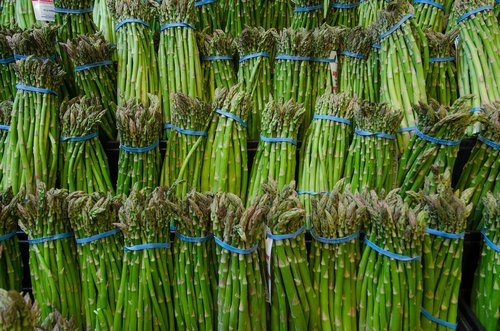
{"points": [[333, 69], [269, 248], [44, 10]]}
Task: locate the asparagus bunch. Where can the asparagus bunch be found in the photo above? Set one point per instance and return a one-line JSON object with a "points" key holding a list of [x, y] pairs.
{"points": [[344, 13], [334, 257], [209, 15], [372, 160], [104, 20], [195, 278], [307, 14], [324, 150], [369, 11], [55, 275], [93, 218], [8, 14], [389, 288], [32, 151], [25, 16], [276, 14], [240, 14], [11, 273], [255, 46], [225, 163], [482, 170], [276, 156], [441, 76], [431, 15], [435, 144], [37, 41], [241, 287], [485, 299], [95, 75], [137, 66], [178, 55], [5, 117], [139, 129], [83, 162], [17, 313], [7, 74], [478, 53], [293, 72], [217, 51], [145, 294]]}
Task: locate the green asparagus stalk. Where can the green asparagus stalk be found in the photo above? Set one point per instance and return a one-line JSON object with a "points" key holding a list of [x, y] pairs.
{"points": [[431, 15], [11, 273], [38, 41], [369, 10], [17, 313], [209, 15], [8, 14], [104, 20], [5, 118], [240, 14], [343, 13], [25, 16], [7, 74], [276, 14], [307, 14]]}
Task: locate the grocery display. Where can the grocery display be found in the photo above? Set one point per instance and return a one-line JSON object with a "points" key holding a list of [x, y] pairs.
{"points": [[249, 165]]}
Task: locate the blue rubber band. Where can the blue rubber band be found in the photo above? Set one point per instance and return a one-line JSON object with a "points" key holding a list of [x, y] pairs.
{"points": [[278, 140], [345, 5], [490, 243], [429, 2], [232, 116], [35, 89], [475, 109], [333, 241], [193, 239], [322, 60], [131, 20], [167, 126], [374, 134], [473, 12], [8, 236], [407, 129], [307, 9], [146, 246], [253, 55], [4, 127], [354, 55], [286, 236], [436, 140], [436, 320], [300, 192], [204, 2], [488, 142], [332, 118], [82, 138], [41, 58], [7, 60], [50, 238], [177, 25], [235, 249], [190, 132], [442, 59], [445, 234], [377, 46], [396, 26], [140, 149], [172, 228], [93, 65], [98, 236], [292, 57], [217, 58], [60, 10], [390, 254]]}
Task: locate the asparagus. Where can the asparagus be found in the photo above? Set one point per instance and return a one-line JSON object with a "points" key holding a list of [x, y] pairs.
{"points": [[11, 273], [431, 15], [5, 117], [307, 14], [344, 13], [209, 15], [239, 14], [7, 74], [369, 11], [104, 20], [38, 41], [8, 14], [276, 14], [17, 313], [25, 16]]}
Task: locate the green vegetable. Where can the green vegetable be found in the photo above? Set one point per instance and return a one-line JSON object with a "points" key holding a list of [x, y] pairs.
{"points": [[11, 268], [240, 14], [5, 117], [344, 13], [276, 14], [25, 16], [104, 20], [307, 14], [17, 313], [430, 16], [209, 16], [8, 14], [369, 10], [7, 74]]}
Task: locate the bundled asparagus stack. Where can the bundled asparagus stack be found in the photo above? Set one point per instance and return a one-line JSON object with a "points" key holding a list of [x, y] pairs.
{"points": [[145, 295], [430, 14], [345, 13], [104, 20], [17, 313], [435, 144], [11, 272], [100, 249], [83, 162], [139, 129], [37, 41], [369, 10], [178, 55], [218, 62], [276, 152], [225, 163], [334, 257], [276, 14], [307, 14], [389, 288], [482, 171], [241, 290], [485, 299], [95, 75], [324, 150], [137, 66], [184, 155], [209, 15], [356, 70], [372, 161], [5, 114], [25, 16], [7, 74], [292, 71], [240, 14], [255, 46], [32, 152], [55, 276], [479, 46], [441, 76], [8, 14], [195, 278]]}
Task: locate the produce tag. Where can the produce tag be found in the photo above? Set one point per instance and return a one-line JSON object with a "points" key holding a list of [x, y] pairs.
{"points": [[44, 10], [333, 69], [269, 248]]}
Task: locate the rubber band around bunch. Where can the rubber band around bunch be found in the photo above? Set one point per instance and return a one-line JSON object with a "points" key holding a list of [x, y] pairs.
{"points": [[312, 193], [86, 240], [60, 10], [437, 141], [93, 65], [439, 321], [374, 134], [476, 109], [204, 2], [55, 237], [177, 25], [321, 60], [334, 241], [140, 149], [232, 249], [292, 57], [391, 255], [7, 60], [22, 87], [8, 236], [190, 132], [345, 5], [78, 139], [143, 247], [488, 142], [442, 59], [490, 243], [278, 140], [332, 118], [396, 26], [217, 58], [4, 127], [41, 58], [308, 9], [407, 129], [193, 239], [232, 116], [377, 46], [431, 3], [131, 20], [286, 236], [473, 12], [253, 55], [354, 55], [446, 235]]}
